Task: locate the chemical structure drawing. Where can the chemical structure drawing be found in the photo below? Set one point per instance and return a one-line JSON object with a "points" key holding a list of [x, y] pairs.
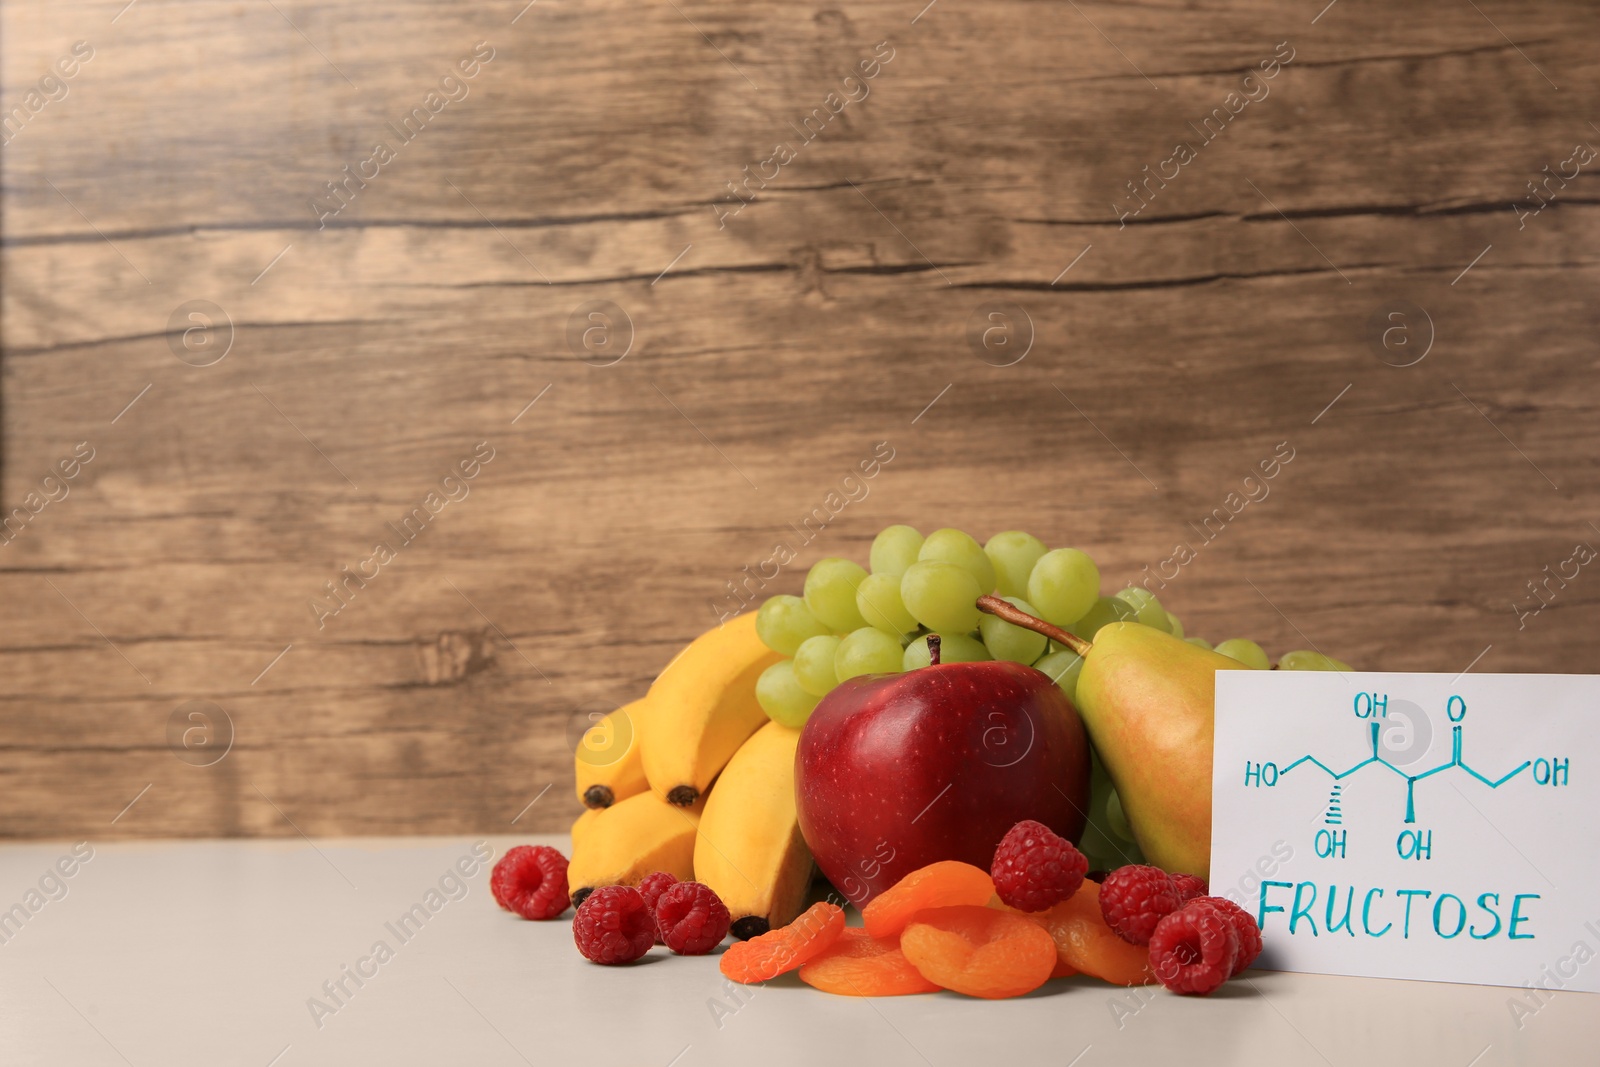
{"points": [[1372, 709]]}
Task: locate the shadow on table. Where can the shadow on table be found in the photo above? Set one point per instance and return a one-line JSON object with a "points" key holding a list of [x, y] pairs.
{"points": [[1234, 989]]}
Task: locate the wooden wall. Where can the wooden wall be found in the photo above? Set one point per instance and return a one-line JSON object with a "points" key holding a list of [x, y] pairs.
{"points": [[984, 166]]}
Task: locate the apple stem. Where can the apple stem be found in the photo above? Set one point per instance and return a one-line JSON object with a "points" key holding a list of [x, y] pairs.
{"points": [[933, 650], [1002, 609]]}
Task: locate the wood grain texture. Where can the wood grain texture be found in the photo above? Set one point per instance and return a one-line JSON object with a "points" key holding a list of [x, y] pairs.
{"points": [[589, 160]]}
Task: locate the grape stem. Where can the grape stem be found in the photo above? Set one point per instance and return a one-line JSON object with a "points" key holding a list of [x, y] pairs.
{"points": [[1009, 612], [933, 650]]}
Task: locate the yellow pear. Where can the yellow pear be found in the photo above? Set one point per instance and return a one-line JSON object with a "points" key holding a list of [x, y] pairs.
{"points": [[1147, 699]]}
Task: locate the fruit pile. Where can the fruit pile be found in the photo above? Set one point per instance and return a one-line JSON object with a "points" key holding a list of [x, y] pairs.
{"points": [[1000, 675]]}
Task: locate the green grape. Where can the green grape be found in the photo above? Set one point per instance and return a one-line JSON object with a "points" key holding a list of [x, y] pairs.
{"points": [[1007, 641], [1247, 652], [1116, 818], [813, 665], [1013, 555], [953, 546], [1200, 642], [941, 596], [867, 651], [831, 593], [878, 600], [1147, 609], [1174, 626], [894, 549], [1106, 610], [1306, 660], [780, 696], [1064, 585], [1063, 668], [953, 648], [784, 621]]}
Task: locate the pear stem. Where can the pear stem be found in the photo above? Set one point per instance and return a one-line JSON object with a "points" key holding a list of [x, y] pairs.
{"points": [[933, 650], [1002, 609]]}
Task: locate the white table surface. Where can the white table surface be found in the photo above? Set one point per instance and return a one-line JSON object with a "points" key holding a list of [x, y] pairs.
{"points": [[207, 953]]}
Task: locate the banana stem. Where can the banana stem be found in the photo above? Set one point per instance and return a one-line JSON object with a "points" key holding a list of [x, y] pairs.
{"points": [[1002, 609]]}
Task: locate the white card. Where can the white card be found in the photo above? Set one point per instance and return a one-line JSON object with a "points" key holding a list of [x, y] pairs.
{"points": [[1423, 826]]}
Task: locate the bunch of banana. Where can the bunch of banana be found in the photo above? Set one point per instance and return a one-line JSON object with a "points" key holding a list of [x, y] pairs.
{"points": [[646, 771]]}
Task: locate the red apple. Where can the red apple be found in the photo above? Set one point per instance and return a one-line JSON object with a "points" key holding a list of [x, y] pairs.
{"points": [[897, 771]]}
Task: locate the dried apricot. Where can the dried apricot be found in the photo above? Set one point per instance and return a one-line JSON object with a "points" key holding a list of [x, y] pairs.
{"points": [[860, 965], [1087, 944], [1063, 968], [979, 951], [938, 885], [784, 949]]}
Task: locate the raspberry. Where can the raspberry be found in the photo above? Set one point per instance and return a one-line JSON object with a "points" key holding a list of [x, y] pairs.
{"points": [[1034, 869], [651, 889], [1134, 898], [1189, 886], [613, 925], [531, 880], [692, 919], [1244, 926], [1193, 950]]}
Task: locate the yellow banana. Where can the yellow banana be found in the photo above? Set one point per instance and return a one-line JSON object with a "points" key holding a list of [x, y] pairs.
{"points": [[702, 707], [630, 839], [749, 849], [582, 825], [608, 764]]}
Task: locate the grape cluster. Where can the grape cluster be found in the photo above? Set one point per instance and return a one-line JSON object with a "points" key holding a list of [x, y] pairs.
{"points": [[852, 621]]}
